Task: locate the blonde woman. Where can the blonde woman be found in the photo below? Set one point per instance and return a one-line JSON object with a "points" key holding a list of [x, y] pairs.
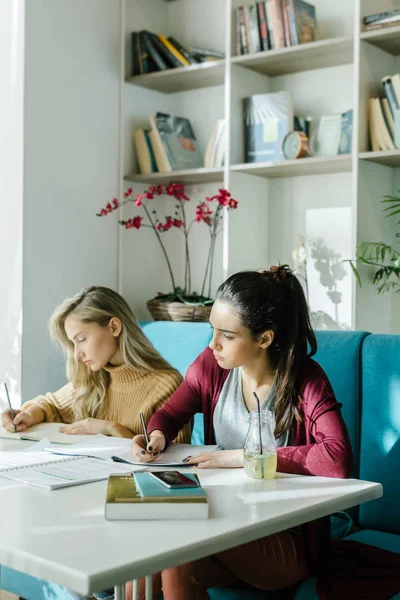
{"points": [[113, 370]]}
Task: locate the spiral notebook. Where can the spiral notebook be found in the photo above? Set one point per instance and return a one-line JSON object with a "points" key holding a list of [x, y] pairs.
{"points": [[49, 471]]}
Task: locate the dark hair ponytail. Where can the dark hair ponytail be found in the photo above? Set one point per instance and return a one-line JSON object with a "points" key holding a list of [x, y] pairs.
{"points": [[274, 300]]}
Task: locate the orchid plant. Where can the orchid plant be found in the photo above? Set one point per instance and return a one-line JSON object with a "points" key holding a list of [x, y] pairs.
{"points": [[210, 212]]}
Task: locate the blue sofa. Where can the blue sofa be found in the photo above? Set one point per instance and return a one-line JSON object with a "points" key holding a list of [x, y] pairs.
{"points": [[365, 373]]}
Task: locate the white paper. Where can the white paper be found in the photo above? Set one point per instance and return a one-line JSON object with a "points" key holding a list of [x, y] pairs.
{"points": [[99, 446], [42, 430], [73, 471], [172, 457]]}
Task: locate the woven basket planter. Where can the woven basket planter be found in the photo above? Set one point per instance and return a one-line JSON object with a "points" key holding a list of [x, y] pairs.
{"points": [[178, 311]]}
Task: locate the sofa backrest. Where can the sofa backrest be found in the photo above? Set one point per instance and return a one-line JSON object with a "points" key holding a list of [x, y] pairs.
{"points": [[338, 353], [380, 430]]}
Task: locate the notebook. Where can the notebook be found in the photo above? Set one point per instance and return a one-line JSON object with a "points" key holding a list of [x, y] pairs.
{"points": [[39, 468], [118, 449], [44, 430], [138, 496]]}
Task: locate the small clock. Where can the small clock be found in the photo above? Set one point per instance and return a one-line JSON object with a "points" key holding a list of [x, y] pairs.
{"points": [[295, 145]]}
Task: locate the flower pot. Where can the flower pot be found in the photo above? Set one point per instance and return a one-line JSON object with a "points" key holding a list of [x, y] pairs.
{"points": [[178, 311]]}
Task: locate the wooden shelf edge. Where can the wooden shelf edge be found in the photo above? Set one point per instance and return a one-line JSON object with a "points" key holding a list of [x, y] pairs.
{"points": [[385, 32], [188, 175], [303, 166], [292, 50]]}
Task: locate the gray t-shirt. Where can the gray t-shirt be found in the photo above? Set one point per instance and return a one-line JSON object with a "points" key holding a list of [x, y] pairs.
{"points": [[231, 417]]}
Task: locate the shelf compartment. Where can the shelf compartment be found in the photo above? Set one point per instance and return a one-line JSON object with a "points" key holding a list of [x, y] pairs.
{"points": [[386, 39], [188, 176], [304, 57], [181, 79], [316, 165], [390, 158]]}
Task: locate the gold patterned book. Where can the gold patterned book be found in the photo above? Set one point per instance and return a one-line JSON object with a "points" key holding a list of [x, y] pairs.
{"points": [[124, 500]]}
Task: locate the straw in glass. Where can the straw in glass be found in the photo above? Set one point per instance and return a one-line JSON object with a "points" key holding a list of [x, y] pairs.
{"points": [[259, 432]]}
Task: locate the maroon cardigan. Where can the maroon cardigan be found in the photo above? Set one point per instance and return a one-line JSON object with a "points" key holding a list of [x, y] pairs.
{"points": [[321, 446]]}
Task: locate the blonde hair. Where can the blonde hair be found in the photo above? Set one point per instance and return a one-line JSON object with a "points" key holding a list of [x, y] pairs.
{"points": [[99, 305]]}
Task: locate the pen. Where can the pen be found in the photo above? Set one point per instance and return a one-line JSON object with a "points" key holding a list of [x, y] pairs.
{"points": [[146, 437], [10, 407]]}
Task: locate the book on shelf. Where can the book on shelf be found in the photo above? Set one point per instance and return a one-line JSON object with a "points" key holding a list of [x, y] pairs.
{"points": [[184, 51], [138, 496], [145, 60], [381, 16], [160, 153], [346, 132], [176, 137], [327, 138], [303, 21], [382, 20], [39, 468], [252, 30], [154, 50], [379, 131], [262, 26], [392, 98], [274, 24], [267, 119], [206, 52], [214, 155], [144, 152]]}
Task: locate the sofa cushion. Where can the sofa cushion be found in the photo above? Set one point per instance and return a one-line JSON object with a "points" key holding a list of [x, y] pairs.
{"points": [[179, 343], [386, 541], [339, 355], [380, 426]]}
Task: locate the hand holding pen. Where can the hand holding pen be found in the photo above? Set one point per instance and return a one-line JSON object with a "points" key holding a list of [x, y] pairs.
{"points": [[147, 447]]}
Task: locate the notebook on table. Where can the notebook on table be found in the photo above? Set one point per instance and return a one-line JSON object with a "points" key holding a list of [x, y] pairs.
{"points": [[35, 466]]}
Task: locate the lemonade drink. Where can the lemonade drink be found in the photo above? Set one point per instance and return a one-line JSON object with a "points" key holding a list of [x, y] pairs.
{"points": [[260, 466]]}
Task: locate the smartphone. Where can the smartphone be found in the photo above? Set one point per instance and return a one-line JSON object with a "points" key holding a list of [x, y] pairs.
{"points": [[174, 479]]}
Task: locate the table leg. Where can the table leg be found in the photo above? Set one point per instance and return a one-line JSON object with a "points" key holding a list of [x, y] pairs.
{"points": [[119, 592], [135, 589], [149, 587]]}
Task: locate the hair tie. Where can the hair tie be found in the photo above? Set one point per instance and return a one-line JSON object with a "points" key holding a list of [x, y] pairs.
{"points": [[276, 272]]}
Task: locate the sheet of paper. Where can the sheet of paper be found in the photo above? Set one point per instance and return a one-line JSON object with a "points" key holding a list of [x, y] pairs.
{"points": [[75, 471], [42, 430], [99, 446], [172, 457]]}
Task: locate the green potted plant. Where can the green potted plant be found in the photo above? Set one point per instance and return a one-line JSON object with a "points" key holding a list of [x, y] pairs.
{"points": [[381, 257], [181, 303]]}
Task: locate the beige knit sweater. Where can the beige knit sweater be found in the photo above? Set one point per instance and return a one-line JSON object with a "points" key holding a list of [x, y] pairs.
{"points": [[130, 392]]}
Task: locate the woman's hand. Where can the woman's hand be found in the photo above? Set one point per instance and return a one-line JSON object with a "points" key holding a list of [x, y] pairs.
{"points": [[89, 426], [22, 420], [154, 448], [219, 459]]}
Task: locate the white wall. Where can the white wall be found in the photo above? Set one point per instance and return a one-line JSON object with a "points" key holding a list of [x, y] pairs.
{"points": [[71, 167], [11, 191]]}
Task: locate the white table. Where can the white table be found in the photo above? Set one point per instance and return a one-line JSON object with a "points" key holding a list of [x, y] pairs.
{"points": [[62, 536]]}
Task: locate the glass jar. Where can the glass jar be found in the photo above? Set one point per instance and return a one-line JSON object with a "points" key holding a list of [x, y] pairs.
{"points": [[259, 459]]}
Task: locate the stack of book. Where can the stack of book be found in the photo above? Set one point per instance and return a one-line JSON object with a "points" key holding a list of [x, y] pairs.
{"points": [[384, 116], [388, 18], [139, 496], [168, 145], [154, 52], [274, 24]]}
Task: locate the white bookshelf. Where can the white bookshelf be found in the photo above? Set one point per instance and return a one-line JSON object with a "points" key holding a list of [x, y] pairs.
{"points": [[278, 200]]}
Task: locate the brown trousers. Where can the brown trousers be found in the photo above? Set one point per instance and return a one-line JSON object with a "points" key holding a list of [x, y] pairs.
{"points": [[271, 563]]}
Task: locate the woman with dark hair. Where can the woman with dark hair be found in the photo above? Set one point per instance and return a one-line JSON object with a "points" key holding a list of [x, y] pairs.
{"points": [[262, 342]]}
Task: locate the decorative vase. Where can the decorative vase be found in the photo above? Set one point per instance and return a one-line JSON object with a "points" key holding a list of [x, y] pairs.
{"points": [[178, 311]]}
